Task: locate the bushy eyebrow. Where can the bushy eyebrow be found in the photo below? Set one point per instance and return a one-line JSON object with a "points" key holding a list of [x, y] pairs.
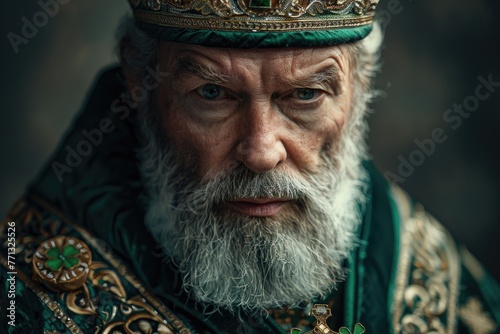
{"points": [[186, 66], [329, 75]]}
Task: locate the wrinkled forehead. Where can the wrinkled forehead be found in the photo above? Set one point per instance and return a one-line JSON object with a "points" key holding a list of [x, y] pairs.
{"points": [[299, 58]]}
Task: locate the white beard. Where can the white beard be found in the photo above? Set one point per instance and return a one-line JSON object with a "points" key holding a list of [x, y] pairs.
{"points": [[237, 262]]}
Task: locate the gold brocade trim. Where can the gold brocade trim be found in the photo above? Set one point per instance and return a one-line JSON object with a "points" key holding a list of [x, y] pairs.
{"points": [[255, 15], [253, 24], [428, 274], [134, 309], [102, 249], [45, 298]]}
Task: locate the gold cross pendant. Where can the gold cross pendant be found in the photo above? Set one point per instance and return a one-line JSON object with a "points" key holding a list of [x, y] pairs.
{"points": [[322, 312]]}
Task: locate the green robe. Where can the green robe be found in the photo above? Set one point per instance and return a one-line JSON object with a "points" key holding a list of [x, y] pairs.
{"points": [[406, 276]]}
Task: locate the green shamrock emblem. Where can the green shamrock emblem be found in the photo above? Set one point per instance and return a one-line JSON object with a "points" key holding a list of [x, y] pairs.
{"points": [[56, 258], [358, 329]]}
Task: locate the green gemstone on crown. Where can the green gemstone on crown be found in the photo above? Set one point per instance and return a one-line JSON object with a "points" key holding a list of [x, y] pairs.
{"points": [[260, 4]]}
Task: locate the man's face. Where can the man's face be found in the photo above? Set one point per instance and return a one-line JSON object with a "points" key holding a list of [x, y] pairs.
{"points": [[252, 165], [266, 109]]}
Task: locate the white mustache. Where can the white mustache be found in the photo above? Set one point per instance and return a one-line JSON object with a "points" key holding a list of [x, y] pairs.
{"points": [[240, 182]]}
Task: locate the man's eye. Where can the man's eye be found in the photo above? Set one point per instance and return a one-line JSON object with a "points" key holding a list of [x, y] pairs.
{"points": [[211, 92], [305, 94]]}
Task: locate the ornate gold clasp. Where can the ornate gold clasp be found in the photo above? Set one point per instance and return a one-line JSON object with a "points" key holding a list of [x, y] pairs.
{"points": [[322, 312]]}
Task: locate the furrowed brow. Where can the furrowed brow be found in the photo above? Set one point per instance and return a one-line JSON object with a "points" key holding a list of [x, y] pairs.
{"points": [[329, 75], [187, 66]]}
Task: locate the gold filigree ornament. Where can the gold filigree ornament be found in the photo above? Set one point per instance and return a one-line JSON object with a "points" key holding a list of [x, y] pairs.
{"points": [[62, 263], [322, 312], [255, 15]]}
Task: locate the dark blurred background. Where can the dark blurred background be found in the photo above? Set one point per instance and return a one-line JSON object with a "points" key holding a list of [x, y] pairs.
{"points": [[433, 55]]}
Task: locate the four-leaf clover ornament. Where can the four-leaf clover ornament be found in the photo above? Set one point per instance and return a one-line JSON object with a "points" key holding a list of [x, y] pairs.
{"points": [[66, 258], [62, 263]]}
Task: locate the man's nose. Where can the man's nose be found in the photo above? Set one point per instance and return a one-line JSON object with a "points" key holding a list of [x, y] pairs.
{"points": [[260, 146]]}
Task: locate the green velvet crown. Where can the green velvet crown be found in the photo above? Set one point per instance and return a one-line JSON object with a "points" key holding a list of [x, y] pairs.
{"points": [[256, 23]]}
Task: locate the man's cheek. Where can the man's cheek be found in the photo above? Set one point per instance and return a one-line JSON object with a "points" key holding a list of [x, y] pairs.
{"points": [[197, 154], [331, 138], [211, 162], [188, 158]]}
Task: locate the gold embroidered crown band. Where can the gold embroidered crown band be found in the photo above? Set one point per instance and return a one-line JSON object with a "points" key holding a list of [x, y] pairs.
{"points": [[255, 15], [256, 23]]}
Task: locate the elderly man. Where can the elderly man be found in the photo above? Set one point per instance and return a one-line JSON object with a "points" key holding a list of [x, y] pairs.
{"points": [[229, 191]]}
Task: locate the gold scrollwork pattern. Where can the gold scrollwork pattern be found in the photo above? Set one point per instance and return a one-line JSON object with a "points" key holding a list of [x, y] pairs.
{"points": [[277, 7], [427, 279], [110, 300], [127, 316]]}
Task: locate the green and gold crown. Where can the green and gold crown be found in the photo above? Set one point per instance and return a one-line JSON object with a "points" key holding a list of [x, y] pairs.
{"points": [[256, 23]]}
